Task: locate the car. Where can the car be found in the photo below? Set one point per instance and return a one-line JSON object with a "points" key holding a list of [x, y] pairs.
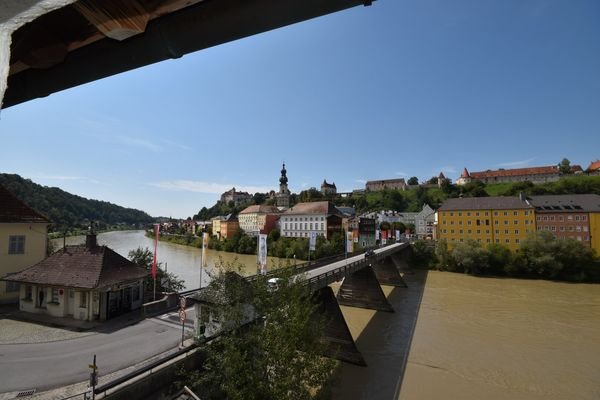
{"points": [[369, 253]]}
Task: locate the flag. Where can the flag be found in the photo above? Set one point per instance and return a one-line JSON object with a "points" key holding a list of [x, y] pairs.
{"points": [[204, 247], [349, 242], [377, 234], [312, 242], [262, 252], [397, 235], [156, 228]]}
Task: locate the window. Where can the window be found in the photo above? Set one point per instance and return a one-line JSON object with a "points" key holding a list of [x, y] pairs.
{"points": [[445, 231], [516, 222], [552, 218], [505, 222], [506, 231], [561, 218], [545, 218], [459, 214], [553, 228], [488, 240], [451, 222], [578, 228], [444, 222], [584, 217], [477, 214], [562, 228], [310, 226], [577, 218], [321, 225], [460, 222], [16, 244], [478, 222], [497, 240], [585, 228], [478, 231], [506, 240], [55, 295], [497, 231], [83, 299], [539, 218], [506, 213], [469, 231], [487, 231], [452, 231], [487, 222], [517, 240], [460, 231], [468, 213], [486, 213], [12, 287], [526, 222], [495, 213], [569, 217], [28, 293], [515, 213], [516, 231], [468, 222]]}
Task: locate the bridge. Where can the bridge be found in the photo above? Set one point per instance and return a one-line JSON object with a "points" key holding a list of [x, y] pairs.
{"points": [[361, 275]]}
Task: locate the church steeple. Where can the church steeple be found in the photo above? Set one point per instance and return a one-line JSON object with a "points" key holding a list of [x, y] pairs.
{"points": [[283, 196], [283, 180]]}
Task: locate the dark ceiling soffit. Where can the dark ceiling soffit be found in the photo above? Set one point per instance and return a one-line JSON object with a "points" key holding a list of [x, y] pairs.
{"points": [[197, 27]]}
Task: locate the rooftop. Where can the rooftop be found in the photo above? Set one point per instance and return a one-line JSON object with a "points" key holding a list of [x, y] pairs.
{"points": [[484, 203], [317, 207], [566, 203], [80, 267], [260, 209], [14, 210]]}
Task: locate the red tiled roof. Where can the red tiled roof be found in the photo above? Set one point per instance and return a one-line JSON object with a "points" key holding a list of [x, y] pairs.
{"points": [[261, 209], [465, 173], [80, 267], [595, 165], [549, 170], [14, 210], [316, 207]]}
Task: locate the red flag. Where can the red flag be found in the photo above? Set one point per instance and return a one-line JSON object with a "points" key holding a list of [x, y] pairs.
{"points": [[155, 246]]}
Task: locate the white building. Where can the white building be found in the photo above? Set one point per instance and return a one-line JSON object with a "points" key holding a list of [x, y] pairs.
{"points": [[321, 217], [258, 219]]}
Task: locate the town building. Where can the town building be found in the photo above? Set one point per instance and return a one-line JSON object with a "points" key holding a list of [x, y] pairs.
{"points": [[258, 219], [236, 197], [86, 282], [570, 216], [320, 216], [363, 230], [283, 196], [594, 168], [503, 220], [224, 226], [375, 186], [328, 189], [532, 174], [442, 179], [347, 210], [424, 222], [23, 241]]}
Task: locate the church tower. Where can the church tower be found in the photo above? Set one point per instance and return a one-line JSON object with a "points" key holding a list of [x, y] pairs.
{"points": [[283, 196]]}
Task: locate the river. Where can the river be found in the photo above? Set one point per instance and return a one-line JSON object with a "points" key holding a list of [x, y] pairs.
{"points": [[477, 338], [184, 261], [452, 336]]}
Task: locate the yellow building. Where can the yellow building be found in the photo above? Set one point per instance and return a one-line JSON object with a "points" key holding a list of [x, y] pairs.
{"points": [[502, 220], [23, 241]]}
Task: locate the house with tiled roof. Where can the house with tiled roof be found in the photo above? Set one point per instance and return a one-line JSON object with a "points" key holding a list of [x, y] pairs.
{"points": [[543, 174], [258, 219], [86, 282], [594, 168], [321, 217], [23, 241]]}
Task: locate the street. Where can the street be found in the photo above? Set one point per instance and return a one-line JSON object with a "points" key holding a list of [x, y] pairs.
{"points": [[43, 366]]}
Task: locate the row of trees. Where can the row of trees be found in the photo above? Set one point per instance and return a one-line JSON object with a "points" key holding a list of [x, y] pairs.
{"points": [[279, 246], [66, 210], [541, 255]]}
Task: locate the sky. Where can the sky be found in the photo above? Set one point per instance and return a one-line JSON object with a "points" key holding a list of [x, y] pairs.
{"points": [[398, 89]]}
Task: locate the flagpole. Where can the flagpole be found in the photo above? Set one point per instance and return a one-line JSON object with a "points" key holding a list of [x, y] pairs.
{"points": [[201, 258]]}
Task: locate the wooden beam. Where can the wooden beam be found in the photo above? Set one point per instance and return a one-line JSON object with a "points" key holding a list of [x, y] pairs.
{"points": [[117, 19]]}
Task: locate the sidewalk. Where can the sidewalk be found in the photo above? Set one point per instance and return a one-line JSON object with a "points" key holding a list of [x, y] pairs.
{"points": [[18, 327]]}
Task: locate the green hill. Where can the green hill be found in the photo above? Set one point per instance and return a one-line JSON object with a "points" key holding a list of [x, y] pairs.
{"points": [[68, 210]]}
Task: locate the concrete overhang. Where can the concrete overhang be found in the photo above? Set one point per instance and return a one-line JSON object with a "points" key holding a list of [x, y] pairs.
{"points": [[92, 39]]}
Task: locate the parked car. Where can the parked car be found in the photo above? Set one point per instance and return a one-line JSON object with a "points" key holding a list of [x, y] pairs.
{"points": [[369, 253]]}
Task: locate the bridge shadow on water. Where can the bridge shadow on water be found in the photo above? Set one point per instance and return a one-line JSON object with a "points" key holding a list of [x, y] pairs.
{"points": [[385, 344]]}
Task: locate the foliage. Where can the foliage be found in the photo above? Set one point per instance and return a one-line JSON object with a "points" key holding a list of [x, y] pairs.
{"points": [[565, 166], [68, 210], [422, 254], [165, 281], [413, 180], [276, 357], [541, 255]]}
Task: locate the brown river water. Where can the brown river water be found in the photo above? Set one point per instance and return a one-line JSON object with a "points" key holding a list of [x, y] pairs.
{"points": [[184, 261], [452, 336]]}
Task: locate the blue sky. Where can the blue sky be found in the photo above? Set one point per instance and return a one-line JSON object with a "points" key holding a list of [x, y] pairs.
{"points": [[401, 88]]}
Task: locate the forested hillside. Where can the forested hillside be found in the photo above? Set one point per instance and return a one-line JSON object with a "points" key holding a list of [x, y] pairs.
{"points": [[68, 210]]}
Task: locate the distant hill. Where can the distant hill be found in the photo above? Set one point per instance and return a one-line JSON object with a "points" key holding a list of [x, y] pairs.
{"points": [[69, 210]]}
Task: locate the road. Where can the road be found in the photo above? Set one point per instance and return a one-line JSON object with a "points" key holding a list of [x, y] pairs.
{"points": [[321, 270], [44, 366]]}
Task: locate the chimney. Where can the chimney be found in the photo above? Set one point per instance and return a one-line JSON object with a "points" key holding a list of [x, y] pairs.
{"points": [[522, 196], [90, 238]]}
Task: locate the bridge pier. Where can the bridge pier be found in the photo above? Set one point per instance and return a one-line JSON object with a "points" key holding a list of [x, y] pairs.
{"points": [[339, 342], [387, 273], [362, 289]]}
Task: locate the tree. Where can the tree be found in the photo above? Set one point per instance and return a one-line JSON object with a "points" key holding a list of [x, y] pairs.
{"points": [[413, 180], [471, 257], [433, 180], [165, 281], [271, 349], [564, 166]]}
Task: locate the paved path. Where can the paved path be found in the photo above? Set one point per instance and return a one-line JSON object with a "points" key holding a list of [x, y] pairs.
{"points": [[42, 366]]}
